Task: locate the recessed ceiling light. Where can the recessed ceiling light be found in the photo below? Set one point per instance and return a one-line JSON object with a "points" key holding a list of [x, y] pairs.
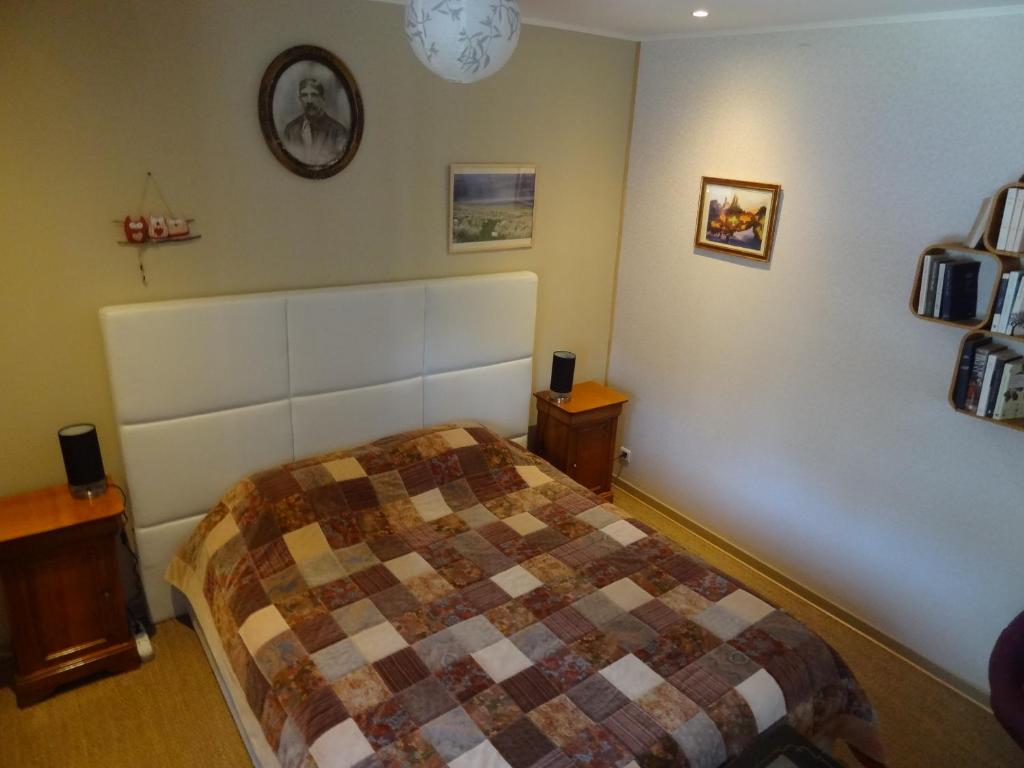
{"points": [[700, 14]]}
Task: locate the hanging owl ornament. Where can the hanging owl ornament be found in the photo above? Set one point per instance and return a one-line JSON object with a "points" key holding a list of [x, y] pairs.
{"points": [[462, 40]]}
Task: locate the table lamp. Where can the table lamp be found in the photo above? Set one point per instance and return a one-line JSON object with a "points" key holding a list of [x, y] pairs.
{"points": [[563, 364], [82, 460]]}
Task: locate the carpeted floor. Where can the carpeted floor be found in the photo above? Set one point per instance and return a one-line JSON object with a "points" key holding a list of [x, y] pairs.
{"points": [[170, 712]]}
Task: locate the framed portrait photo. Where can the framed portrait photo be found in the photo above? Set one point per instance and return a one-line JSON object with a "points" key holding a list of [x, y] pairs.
{"points": [[737, 217], [310, 111], [490, 207]]}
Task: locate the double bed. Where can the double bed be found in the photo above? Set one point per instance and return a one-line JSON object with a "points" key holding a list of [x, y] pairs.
{"points": [[396, 580]]}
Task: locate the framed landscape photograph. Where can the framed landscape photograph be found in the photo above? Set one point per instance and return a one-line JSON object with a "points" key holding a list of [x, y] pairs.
{"points": [[310, 111], [491, 207], [737, 217]]}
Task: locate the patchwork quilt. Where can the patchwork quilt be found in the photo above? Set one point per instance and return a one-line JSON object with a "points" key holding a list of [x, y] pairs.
{"points": [[445, 597]]}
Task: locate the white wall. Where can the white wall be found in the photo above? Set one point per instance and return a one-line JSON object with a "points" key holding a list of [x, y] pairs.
{"points": [[799, 409]]}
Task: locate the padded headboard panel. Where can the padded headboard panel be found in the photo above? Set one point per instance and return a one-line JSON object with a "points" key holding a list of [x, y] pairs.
{"points": [[209, 390]]}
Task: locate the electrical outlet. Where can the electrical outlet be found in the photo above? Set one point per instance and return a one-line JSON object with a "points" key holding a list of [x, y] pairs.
{"points": [[625, 454]]}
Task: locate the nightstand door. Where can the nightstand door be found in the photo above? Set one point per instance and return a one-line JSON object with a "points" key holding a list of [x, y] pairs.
{"points": [[66, 599], [590, 454]]}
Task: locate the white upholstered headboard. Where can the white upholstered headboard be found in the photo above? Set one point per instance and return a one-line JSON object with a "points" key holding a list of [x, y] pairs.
{"points": [[207, 391]]}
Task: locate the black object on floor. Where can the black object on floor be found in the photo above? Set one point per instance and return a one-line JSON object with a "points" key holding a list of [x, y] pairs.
{"points": [[782, 747]]}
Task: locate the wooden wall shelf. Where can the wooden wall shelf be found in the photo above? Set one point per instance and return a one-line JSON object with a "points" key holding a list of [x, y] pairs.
{"points": [[999, 263], [1016, 342], [166, 241], [996, 219], [995, 263]]}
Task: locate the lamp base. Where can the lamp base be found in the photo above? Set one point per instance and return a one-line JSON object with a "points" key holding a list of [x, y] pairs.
{"points": [[89, 490], [561, 397]]}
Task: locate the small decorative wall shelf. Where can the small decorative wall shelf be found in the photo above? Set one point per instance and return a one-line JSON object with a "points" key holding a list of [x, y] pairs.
{"points": [[142, 231], [168, 241]]}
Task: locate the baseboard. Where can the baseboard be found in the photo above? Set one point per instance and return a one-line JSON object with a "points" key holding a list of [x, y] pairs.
{"points": [[854, 622]]}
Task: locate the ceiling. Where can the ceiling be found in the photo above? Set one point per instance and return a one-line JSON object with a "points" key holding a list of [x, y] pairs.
{"points": [[647, 19]]}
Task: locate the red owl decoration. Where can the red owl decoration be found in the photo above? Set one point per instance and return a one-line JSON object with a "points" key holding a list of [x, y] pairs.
{"points": [[157, 228], [135, 230]]}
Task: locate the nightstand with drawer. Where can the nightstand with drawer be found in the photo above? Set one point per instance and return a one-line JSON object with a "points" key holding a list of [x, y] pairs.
{"points": [[578, 435], [58, 561]]}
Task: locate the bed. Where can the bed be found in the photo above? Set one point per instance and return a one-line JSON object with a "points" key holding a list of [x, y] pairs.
{"points": [[396, 580]]}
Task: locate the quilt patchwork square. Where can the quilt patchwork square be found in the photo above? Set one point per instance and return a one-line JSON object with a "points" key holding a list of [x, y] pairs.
{"points": [[493, 710], [529, 689], [501, 660], [378, 641], [453, 733], [516, 581], [522, 744]]}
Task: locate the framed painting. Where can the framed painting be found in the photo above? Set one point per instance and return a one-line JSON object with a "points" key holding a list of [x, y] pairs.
{"points": [[310, 111], [737, 217], [490, 207]]}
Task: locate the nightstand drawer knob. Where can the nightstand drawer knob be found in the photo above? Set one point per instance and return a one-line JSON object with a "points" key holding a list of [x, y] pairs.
{"points": [[106, 594]]}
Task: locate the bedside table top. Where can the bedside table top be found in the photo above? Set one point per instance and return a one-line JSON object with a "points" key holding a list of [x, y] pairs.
{"points": [[586, 396], [49, 509]]}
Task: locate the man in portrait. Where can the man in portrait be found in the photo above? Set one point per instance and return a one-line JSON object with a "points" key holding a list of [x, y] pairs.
{"points": [[314, 137]]}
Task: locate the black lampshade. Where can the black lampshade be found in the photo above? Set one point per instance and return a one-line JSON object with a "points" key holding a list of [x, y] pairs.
{"points": [[82, 460], [563, 365]]}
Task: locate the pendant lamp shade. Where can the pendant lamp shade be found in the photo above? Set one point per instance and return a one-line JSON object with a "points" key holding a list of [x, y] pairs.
{"points": [[462, 40]]}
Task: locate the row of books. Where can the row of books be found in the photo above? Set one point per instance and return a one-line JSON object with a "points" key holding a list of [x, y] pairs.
{"points": [[1008, 310], [949, 287], [990, 380], [1011, 224]]}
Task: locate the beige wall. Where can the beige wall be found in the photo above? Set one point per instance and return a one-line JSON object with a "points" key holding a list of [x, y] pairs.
{"points": [[799, 409], [95, 94]]}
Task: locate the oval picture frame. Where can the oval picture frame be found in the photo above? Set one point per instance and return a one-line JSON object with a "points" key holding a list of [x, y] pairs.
{"points": [[311, 112]]}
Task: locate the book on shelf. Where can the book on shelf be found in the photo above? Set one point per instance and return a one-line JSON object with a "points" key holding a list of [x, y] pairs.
{"points": [[960, 290], [993, 378], [975, 239], [974, 383], [963, 374], [940, 284], [1012, 283], [1013, 318], [1002, 241], [1016, 238], [1017, 215], [925, 281], [929, 282], [1010, 395], [1015, 394], [997, 305]]}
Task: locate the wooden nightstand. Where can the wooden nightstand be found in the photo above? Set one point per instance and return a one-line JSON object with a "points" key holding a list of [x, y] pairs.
{"points": [[578, 436], [58, 560]]}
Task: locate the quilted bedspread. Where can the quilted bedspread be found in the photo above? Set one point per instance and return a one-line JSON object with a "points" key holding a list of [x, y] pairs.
{"points": [[446, 597]]}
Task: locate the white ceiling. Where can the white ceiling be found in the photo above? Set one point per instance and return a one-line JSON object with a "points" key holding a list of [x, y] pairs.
{"points": [[647, 19]]}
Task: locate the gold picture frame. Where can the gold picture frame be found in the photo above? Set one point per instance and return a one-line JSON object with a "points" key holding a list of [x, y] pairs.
{"points": [[737, 217]]}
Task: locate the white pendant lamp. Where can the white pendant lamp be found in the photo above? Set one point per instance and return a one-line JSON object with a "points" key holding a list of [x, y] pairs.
{"points": [[462, 40]]}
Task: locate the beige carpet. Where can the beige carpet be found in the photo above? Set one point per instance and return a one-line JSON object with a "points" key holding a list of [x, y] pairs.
{"points": [[170, 712]]}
